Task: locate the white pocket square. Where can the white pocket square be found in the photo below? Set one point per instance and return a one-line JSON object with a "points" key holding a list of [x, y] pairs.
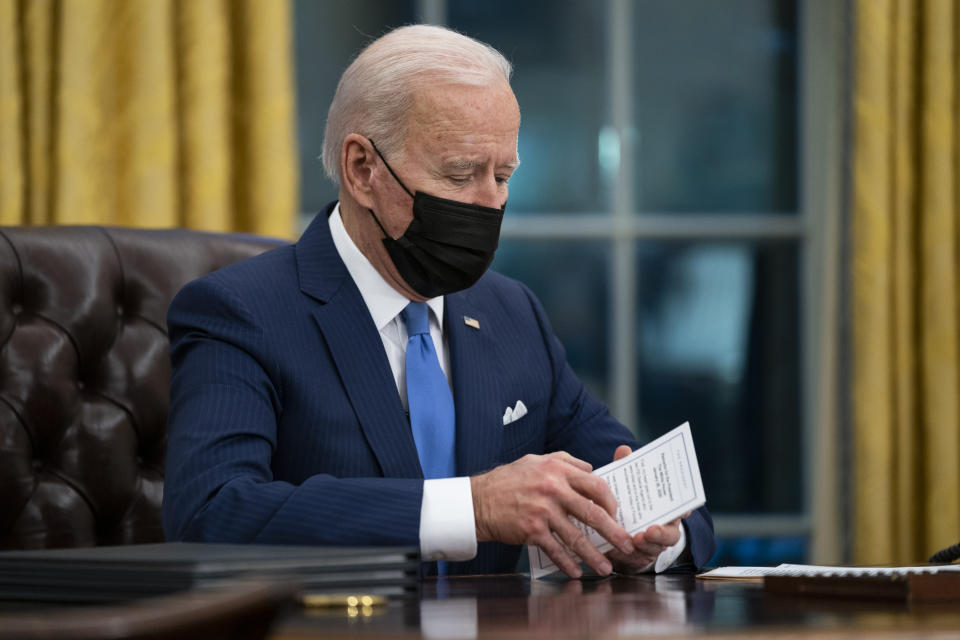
{"points": [[512, 415]]}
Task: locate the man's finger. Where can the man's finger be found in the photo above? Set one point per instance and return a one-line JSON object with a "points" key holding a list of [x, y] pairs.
{"points": [[665, 536], [596, 515], [622, 452], [578, 542], [558, 553], [650, 550], [595, 489], [582, 465], [637, 561]]}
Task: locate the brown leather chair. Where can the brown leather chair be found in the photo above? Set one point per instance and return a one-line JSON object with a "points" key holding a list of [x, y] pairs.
{"points": [[85, 376]]}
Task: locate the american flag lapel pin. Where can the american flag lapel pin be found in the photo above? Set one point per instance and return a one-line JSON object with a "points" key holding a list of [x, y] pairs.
{"points": [[471, 322]]}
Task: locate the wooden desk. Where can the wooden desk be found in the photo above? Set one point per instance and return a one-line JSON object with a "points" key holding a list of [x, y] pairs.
{"points": [[662, 606]]}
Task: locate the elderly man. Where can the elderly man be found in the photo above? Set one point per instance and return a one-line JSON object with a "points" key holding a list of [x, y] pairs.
{"points": [[374, 383]]}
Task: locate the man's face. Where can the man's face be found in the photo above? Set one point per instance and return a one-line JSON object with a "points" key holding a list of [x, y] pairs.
{"points": [[461, 145]]}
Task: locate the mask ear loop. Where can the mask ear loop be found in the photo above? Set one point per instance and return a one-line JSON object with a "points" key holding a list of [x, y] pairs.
{"points": [[384, 231], [390, 169], [387, 165]]}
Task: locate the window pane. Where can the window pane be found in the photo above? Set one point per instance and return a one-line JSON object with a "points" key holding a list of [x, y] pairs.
{"points": [[716, 105], [570, 279], [328, 36], [757, 551], [718, 332], [558, 50]]}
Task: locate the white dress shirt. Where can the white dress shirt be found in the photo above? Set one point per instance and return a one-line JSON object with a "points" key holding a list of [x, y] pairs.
{"points": [[447, 528]]}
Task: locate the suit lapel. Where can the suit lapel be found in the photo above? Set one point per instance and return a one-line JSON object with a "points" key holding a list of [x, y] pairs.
{"points": [[473, 368], [357, 351]]}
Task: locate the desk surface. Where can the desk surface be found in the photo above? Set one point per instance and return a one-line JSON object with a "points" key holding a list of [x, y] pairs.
{"points": [[662, 606]]}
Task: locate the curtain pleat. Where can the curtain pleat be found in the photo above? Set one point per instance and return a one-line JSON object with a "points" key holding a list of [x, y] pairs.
{"points": [[905, 504], [37, 73], [12, 119], [872, 401], [205, 103], [263, 125]]}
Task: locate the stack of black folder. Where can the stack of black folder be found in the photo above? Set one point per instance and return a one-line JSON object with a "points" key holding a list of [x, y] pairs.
{"points": [[104, 574]]}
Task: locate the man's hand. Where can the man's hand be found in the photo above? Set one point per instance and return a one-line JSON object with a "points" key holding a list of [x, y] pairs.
{"points": [[649, 544], [530, 501]]}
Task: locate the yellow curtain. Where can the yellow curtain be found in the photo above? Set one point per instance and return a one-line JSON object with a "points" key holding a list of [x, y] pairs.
{"points": [[906, 279], [148, 113]]}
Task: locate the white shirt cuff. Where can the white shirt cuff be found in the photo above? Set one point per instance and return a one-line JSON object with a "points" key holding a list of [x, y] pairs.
{"points": [[447, 528], [669, 555]]}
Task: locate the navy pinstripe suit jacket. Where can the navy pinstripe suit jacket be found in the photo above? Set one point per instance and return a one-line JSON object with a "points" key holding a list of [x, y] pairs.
{"points": [[286, 427]]}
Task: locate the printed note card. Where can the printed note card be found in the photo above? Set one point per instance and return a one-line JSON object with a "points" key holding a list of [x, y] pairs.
{"points": [[653, 485]]}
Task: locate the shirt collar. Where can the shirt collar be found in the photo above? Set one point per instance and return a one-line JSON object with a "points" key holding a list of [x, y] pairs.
{"points": [[383, 301]]}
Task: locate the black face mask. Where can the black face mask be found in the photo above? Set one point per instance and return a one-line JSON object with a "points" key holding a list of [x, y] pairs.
{"points": [[448, 245]]}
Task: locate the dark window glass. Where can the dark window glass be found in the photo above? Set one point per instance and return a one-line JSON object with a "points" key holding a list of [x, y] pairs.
{"points": [[756, 551], [570, 279], [328, 36], [717, 341], [559, 53], [715, 105]]}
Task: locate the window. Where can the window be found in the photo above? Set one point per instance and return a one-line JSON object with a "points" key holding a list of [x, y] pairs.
{"points": [[659, 215]]}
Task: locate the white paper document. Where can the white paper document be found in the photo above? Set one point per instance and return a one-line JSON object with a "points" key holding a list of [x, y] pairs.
{"points": [[814, 570], [653, 485], [748, 573], [737, 573]]}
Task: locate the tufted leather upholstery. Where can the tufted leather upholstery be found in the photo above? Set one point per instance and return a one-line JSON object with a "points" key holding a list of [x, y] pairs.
{"points": [[85, 376]]}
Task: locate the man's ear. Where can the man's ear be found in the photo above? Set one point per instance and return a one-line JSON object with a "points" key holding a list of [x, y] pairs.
{"points": [[357, 159]]}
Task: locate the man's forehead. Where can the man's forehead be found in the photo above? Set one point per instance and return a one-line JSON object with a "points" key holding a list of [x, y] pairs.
{"points": [[460, 125], [452, 103]]}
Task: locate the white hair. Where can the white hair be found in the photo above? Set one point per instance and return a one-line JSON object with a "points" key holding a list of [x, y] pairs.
{"points": [[377, 89]]}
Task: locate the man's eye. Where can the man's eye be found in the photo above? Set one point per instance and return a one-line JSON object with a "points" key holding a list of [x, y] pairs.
{"points": [[459, 179], [503, 179]]}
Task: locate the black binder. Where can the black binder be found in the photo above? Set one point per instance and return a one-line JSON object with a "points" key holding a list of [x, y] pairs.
{"points": [[105, 574]]}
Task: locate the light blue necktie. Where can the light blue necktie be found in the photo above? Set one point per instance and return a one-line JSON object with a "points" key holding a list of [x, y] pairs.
{"points": [[432, 416]]}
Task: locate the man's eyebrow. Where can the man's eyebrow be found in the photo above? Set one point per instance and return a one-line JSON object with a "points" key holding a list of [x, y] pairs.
{"points": [[463, 164]]}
